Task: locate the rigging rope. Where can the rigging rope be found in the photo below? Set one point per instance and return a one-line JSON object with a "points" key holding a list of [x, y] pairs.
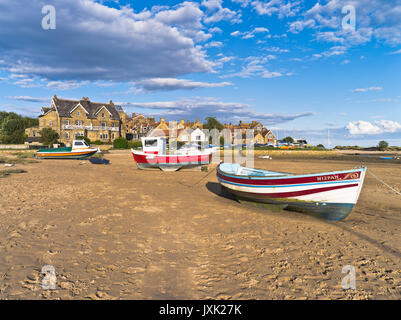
{"points": [[384, 183]]}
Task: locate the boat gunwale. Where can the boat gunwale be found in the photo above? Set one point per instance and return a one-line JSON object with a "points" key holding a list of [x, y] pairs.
{"points": [[288, 175]]}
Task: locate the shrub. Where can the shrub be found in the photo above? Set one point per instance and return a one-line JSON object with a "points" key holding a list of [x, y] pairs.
{"points": [[135, 144], [120, 143], [97, 142]]}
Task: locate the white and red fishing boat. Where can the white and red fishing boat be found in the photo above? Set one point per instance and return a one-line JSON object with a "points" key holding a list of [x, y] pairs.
{"points": [[331, 195], [154, 156]]}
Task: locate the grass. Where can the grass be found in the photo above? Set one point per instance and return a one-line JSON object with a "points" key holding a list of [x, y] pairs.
{"points": [[24, 155], [4, 173]]}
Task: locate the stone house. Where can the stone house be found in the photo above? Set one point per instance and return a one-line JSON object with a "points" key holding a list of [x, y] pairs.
{"points": [[72, 118]]}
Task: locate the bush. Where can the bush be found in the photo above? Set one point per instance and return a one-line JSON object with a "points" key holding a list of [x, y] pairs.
{"points": [[97, 142], [120, 143], [135, 144]]}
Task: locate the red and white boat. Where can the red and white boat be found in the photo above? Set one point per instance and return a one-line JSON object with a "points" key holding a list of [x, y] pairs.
{"points": [[154, 156]]}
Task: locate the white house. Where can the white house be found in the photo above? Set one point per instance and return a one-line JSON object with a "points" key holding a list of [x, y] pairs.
{"points": [[198, 136]]}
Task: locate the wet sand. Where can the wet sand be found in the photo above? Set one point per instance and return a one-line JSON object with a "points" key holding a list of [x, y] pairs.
{"points": [[115, 232]]}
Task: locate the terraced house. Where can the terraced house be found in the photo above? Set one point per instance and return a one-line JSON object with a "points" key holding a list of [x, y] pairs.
{"points": [[72, 118]]}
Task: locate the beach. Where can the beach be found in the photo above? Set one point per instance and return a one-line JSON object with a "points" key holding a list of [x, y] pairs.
{"points": [[116, 232]]}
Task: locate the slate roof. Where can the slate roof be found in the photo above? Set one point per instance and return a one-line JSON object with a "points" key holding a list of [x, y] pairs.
{"points": [[64, 107]]}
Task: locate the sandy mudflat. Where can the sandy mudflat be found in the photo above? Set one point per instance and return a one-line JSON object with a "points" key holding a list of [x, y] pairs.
{"points": [[115, 232]]}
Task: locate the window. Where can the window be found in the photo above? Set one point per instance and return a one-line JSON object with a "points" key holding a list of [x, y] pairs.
{"points": [[67, 122], [112, 136], [78, 122], [113, 124], [198, 138], [50, 123], [78, 113], [103, 125], [34, 133], [79, 143], [102, 115], [101, 136], [67, 135], [105, 136], [151, 143]]}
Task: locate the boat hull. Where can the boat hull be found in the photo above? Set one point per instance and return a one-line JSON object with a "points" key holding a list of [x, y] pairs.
{"points": [[66, 155], [148, 161], [330, 195]]}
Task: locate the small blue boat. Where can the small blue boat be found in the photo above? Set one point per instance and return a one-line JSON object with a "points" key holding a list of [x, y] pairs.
{"points": [[99, 161]]}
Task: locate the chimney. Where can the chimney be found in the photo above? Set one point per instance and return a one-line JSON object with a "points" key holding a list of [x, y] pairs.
{"points": [[111, 102]]}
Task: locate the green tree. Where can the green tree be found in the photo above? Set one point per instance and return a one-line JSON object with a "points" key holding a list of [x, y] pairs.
{"points": [[12, 127], [212, 123], [49, 136], [12, 131], [383, 145], [288, 139]]}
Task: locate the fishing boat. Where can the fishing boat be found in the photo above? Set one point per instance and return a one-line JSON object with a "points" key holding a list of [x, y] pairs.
{"points": [[80, 149], [154, 156], [331, 195]]}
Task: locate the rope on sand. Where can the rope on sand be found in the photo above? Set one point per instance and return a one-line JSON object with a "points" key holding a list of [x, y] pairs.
{"points": [[378, 179]]}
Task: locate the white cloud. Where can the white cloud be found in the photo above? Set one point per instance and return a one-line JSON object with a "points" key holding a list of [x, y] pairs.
{"points": [[369, 128], [29, 99], [368, 89], [216, 12], [256, 66], [169, 84], [279, 7], [96, 42], [249, 34], [214, 44], [374, 18], [225, 111]]}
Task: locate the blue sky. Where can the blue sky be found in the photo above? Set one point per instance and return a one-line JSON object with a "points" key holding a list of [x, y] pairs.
{"points": [[291, 65]]}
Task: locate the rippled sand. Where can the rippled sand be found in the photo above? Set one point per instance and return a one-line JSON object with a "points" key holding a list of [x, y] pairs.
{"points": [[115, 232]]}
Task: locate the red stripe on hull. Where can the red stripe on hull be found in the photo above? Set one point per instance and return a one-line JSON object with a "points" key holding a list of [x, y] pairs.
{"points": [[301, 192], [163, 159], [300, 180]]}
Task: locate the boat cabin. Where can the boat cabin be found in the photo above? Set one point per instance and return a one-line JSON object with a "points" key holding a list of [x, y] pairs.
{"points": [[154, 145], [80, 144]]}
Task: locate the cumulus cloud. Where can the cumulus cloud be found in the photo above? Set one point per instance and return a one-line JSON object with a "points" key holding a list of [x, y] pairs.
{"points": [[249, 34], [224, 111], [216, 12], [375, 20], [170, 84], [362, 127], [95, 42], [30, 99], [256, 66]]}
